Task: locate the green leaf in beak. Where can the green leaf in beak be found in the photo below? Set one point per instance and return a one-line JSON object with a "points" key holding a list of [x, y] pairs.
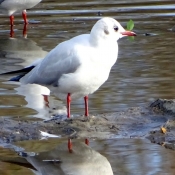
{"points": [[130, 24]]}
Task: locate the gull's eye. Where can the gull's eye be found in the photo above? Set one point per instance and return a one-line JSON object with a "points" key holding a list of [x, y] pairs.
{"points": [[116, 28]]}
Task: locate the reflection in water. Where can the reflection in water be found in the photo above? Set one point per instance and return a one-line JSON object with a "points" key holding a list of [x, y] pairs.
{"points": [[126, 156], [22, 50], [35, 98], [12, 33], [13, 49], [79, 160]]}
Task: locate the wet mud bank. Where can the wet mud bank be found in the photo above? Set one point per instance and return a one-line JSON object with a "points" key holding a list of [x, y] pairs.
{"points": [[155, 122]]}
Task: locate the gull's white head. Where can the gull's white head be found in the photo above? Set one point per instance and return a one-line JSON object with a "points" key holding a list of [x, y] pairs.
{"points": [[109, 29]]}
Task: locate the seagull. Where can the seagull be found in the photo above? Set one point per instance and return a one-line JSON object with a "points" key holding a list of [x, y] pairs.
{"points": [[9, 7], [77, 67]]}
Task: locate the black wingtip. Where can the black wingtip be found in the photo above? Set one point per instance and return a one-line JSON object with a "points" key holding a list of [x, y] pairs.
{"points": [[16, 78], [20, 73]]}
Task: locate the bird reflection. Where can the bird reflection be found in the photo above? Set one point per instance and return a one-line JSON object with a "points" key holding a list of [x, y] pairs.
{"points": [[25, 51], [80, 160], [38, 98], [12, 33]]}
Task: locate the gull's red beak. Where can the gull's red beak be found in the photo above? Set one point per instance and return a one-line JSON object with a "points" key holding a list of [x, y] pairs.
{"points": [[128, 33]]}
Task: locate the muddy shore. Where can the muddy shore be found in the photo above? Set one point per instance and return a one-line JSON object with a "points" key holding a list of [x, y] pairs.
{"points": [[155, 122]]}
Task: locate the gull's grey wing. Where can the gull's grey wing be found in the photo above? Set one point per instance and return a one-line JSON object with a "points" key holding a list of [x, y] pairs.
{"points": [[63, 59]]}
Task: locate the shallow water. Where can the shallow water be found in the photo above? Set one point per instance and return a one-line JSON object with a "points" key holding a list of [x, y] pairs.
{"points": [[144, 71]]}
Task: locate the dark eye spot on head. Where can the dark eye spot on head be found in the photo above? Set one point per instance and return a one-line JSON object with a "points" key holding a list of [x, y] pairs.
{"points": [[106, 31], [116, 28]]}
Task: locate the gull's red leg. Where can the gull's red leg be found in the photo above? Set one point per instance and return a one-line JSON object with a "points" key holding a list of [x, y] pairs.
{"points": [[25, 31], [86, 105], [11, 31], [70, 145], [24, 15], [68, 104], [11, 20]]}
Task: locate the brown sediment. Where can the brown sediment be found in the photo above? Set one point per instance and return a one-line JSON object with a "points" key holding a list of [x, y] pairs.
{"points": [[155, 122]]}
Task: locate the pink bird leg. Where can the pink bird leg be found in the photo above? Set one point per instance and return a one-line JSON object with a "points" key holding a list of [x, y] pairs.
{"points": [[86, 105], [68, 105]]}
